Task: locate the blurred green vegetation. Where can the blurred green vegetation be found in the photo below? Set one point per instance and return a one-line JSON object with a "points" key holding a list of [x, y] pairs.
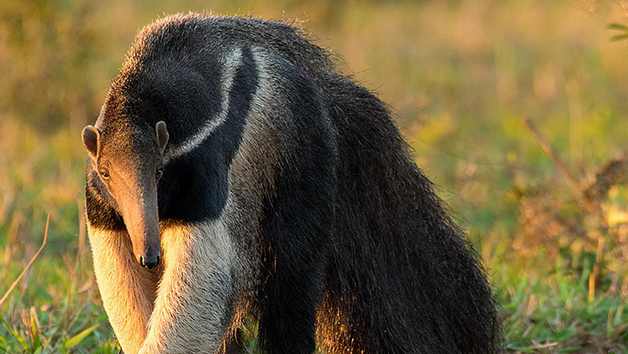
{"points": [[461, 77]]}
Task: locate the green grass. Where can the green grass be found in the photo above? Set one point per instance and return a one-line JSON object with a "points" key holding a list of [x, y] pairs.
{"points": [[460, 77]]}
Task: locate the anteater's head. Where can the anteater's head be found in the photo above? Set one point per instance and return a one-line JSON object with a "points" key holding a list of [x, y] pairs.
{"points": [[129, 162]]}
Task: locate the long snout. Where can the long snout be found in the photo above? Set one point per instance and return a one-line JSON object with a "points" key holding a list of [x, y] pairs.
{"points": [[140, 214], [144, 232]]}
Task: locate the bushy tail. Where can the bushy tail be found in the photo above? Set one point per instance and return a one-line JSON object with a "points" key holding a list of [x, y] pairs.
{"points": [[402, 274]]}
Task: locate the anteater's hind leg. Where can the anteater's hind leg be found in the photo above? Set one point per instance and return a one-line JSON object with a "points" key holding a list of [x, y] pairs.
{"points": [[288, 313], [295, 247], [234, 345]]}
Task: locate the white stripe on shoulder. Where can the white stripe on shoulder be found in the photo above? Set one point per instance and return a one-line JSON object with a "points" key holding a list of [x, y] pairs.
{"points": [[231, 62]]}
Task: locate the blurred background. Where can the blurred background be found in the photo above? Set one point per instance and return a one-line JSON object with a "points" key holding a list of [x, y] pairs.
{"points": [[516, 109]]}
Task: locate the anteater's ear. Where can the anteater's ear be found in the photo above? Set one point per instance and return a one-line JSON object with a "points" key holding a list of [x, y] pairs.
{"points": [[91, 137], [162, 135]]}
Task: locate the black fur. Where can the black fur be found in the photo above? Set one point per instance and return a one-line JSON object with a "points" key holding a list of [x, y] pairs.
{"points": [[355, 248]]}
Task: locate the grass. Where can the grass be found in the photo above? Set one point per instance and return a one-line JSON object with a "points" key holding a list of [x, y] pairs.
{"points": [[462, 78]]}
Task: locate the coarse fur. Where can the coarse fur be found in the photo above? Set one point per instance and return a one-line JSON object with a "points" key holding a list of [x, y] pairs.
{"points": [[287, 193]]}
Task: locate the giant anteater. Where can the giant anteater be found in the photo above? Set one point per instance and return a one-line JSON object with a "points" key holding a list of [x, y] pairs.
{"points": [[250, 178]]}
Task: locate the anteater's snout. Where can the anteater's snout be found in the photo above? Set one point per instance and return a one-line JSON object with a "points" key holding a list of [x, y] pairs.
{"points": [[150, 261]]}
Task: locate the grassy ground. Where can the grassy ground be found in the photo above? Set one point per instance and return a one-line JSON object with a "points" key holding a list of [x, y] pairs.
{"points": [[462, 78]]}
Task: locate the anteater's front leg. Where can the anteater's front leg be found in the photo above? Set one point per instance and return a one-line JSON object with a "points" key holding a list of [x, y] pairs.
{"points": [[127, 290], [194, 304]]}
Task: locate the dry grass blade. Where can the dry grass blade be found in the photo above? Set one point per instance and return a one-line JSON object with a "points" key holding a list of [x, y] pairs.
{"points": [[547, 148], [30, 263]]}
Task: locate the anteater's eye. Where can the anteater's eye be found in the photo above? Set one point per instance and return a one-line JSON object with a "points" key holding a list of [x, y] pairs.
{"points": [[104, 174], [159, 173]]}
